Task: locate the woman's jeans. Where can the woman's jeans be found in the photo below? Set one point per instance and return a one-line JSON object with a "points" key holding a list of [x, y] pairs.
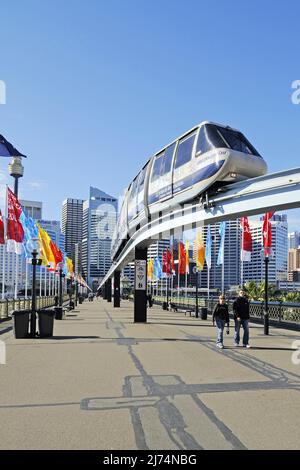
{"points": [[220, 327], [237, 327]]}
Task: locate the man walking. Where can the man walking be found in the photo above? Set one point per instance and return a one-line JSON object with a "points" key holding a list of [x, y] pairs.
{"points": [[241, 318]]}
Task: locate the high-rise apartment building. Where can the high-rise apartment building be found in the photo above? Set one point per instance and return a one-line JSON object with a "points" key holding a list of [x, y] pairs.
{"points": [[71, 223], [99, 220], [32, 209], [294, 240]]}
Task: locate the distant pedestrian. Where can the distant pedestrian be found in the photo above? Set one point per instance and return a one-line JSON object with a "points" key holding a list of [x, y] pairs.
{"points": [[241, 318], [221, 318], [150, 301]]}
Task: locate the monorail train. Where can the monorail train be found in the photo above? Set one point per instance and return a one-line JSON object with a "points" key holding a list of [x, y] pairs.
{"points": [[200, 161]]}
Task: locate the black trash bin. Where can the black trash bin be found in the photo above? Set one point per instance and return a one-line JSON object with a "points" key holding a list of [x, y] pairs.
{"points": [[165, 306], [58, 311], [46, 322], [203, 313], [21, 323]]}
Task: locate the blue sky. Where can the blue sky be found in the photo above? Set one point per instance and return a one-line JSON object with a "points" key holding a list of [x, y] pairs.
{"points": [[94, 88]]}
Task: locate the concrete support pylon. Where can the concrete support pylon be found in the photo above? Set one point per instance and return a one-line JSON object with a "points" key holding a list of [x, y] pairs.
{"points": [[108, 295], [117, 276], [140, 286]]}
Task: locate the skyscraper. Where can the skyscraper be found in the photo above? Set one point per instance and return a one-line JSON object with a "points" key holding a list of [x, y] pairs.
{"points": [[99, 220], [294, 240], [72, 224]]}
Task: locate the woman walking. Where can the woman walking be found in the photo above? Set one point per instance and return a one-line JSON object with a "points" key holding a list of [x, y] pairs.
{"points": [[221, 317]]}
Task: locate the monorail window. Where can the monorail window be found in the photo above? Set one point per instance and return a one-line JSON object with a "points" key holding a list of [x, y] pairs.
{"points": [[142, 179], [211, 136], [168, 158], [163, 163], [184, 151], [237, 141], [208, 139], [156, 167]]}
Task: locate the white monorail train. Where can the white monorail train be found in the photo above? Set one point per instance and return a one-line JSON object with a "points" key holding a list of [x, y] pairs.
{"points": [[196, 163]]}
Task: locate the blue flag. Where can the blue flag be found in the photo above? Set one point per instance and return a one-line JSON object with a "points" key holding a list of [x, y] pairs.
{"points": [[30, 231], [208, 248], [157, 268], [222, 230]]}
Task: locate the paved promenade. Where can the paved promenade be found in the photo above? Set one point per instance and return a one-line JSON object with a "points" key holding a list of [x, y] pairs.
{"points": [[104, 382]]}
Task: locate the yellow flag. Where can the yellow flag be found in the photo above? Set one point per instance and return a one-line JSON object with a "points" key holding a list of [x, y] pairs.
{"points": [[199, 250], [46, 252], [70, 266], [150, 270]]}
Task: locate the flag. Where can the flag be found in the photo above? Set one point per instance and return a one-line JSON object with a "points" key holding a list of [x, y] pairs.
{"points": [[172, 262], [208, 248], [187, 258], [14, 231], [222, 230], [46, 251], [150, 269], [31, 231], [166, 267], [58, 256], [246, 240], [65, 264], [7, 149], [157, 268], [199, 251], [267, 233], [70, 267], [2, 239], [181, 258]]}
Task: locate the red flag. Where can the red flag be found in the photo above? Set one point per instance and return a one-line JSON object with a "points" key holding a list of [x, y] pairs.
{"points": [[15, 232], [58, 256], [267, 233], [2, 241], [246, 240], [166, 264], [181, 258]]}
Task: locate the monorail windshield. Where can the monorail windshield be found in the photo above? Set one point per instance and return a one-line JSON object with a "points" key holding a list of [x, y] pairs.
{"points": [[212, 136]]}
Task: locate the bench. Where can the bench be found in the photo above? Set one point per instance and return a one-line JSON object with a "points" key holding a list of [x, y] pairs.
{"points": [[173, 308]]}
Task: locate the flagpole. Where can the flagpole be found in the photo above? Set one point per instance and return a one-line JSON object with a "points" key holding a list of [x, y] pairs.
{"points": [[242, 254], [4, 247], [178, 286], [26, 278], [3, 272], [223, 274], [16, 275], [40, 281]]}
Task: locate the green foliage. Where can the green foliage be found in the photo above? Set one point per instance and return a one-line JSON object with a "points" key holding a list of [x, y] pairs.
{"points": [[256, 291]]}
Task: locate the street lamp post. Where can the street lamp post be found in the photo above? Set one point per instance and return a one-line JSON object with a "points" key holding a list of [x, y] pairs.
{"points": [[33, 246], [16, 170], [76, 292], [59, 308]]}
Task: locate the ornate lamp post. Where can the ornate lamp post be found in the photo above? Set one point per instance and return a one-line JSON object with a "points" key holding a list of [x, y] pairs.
{"points": [[33, 246], [59, 308], [16, 170]]}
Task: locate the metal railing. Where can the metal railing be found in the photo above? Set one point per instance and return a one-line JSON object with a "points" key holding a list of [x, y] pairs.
{"points": [[7, 306], [281, 314]]}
